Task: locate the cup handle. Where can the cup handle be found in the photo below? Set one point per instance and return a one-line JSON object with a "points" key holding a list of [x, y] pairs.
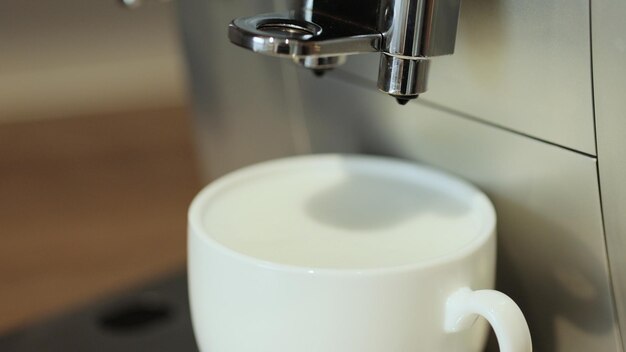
{"points": [[464, 306]]}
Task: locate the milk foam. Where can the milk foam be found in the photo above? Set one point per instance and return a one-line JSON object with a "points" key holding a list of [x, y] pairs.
{"points": [[338, 217]]}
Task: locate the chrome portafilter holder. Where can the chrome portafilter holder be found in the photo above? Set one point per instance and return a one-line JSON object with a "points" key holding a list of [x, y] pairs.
{"points": [[313, 40], [322, 33]]}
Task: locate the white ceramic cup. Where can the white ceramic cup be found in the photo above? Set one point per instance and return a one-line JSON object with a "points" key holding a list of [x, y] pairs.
{"points": [[353, 292]]}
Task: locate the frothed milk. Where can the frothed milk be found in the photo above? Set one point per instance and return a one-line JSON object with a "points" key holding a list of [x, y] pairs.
{"points": [[344, 215]]}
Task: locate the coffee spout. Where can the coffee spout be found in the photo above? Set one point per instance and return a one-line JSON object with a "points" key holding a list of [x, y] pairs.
{"points": [[323, 33]]}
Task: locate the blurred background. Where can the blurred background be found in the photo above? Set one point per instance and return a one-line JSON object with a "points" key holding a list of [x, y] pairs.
{"points": [[96, 160]]}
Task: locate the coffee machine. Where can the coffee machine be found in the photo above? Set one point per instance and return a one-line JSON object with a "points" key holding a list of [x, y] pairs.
{"points": [[529, 107]]}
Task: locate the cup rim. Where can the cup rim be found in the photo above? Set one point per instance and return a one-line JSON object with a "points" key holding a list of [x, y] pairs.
{"points": [[197, 229]]}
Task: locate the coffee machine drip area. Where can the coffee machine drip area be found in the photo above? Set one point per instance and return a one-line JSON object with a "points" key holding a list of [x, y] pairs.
{"points": [[529, 108], [322, 33]]}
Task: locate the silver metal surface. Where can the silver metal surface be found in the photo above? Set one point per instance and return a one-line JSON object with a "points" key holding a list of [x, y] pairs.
{"points": [[402, 77], [301, 34], [405, 31], [551, 253], [245, 107], [401, 72], [402, 24], [609, 77], [517, 89], [523, 65], [420, 28], [321, 62], [414, 31]]}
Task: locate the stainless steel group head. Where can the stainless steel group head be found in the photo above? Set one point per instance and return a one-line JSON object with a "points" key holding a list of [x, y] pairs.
{"points": [[320, 34]]}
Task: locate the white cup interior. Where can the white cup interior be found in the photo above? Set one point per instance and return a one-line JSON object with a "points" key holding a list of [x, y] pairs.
{"points": [[353, 213]]}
